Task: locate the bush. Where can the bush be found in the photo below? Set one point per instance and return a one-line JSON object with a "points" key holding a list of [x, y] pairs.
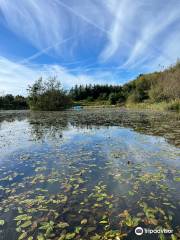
{"points": [[48, 96], [175, 105], [89, 99], [156, 94], [135, 97], [113, 98]]}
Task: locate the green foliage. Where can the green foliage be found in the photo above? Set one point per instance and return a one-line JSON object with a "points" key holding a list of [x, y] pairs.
{"points": [[113, 98], [48, 96], [13, 102], [158, 87], [174, 105], [135, 97], [2, 222], [116, 97], [93, 92], [152, 88], [166, 85]]}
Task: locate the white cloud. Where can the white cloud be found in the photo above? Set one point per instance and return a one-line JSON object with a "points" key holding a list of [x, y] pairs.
{"points": [[139, 30], [123, 12], [15, 77], [132, 34], [39, 22], [46, 23], [147, 42], [171, 50]]}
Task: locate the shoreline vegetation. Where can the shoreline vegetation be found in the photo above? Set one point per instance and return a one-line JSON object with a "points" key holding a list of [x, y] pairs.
{"points": [[173, 105], [154, 91]]}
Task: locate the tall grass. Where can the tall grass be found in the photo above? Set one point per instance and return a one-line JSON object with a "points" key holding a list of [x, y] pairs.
{"points": [[173, 105]]}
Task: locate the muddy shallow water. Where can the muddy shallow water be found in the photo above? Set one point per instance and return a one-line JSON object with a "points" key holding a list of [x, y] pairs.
{"points": [[89, 174]]}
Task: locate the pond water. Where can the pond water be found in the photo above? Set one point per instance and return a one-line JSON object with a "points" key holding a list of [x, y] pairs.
{"points": [[90, 174]]}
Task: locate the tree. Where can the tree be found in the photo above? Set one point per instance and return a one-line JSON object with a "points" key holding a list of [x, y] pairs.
{"points": [[113, 98], [48, 95], [9, 101]]}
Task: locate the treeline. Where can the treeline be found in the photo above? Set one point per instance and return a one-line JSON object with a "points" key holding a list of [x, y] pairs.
{"points": [[9, 101], [94, 92], [154, 87]]}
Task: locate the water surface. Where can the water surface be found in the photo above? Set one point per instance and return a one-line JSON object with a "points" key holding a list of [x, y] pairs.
{"points": [[89, 174]]}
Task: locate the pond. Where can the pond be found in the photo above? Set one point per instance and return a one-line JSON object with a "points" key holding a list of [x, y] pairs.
{"points": [[93, 174]]}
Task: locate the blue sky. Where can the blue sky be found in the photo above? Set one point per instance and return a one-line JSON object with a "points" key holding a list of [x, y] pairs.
{"points": [[85, 41]]}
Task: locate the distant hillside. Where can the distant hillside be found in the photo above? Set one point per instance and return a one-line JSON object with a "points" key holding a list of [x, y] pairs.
{"points": [[157, 87]]}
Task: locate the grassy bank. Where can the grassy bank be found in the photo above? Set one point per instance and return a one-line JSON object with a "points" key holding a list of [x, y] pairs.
{"points": [[161, 106], [97, 103], [157, 90]]}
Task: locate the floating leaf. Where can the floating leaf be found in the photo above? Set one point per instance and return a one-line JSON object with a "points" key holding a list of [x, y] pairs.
{"points": [[90, 229], [2, 222], [103, 222], [22, 236], [23, 217], [177, 179], [78, 229], [153, 221], [96, 237], [131, 193], [26, 224], [40, 237], [70, 235], [84, 221], [63, 225]]}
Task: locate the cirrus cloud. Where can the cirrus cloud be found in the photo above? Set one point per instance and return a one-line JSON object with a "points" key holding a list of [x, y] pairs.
{"points": [[15, 77], [117, 36]]}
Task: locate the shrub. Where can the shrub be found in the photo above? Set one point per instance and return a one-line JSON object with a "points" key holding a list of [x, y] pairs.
{"points": [[48, 96], [175, 105], [113, 98], [135, 97]]}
